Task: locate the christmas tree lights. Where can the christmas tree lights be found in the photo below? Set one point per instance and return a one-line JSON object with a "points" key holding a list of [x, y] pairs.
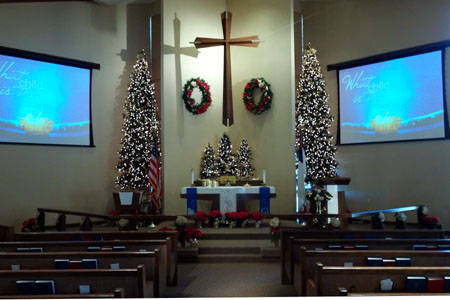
{"points": [[313, 120], [140, 128], [226, 161], [244, 161], [208, 167]]}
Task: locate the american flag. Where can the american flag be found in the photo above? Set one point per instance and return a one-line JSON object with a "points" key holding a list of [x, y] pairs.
{"points": [[154, 175]]}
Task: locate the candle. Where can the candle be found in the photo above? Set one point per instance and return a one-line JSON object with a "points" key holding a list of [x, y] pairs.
{"points": [[264, 176], [192, 176]]}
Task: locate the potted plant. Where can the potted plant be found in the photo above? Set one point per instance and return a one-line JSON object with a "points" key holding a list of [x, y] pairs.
{"points": [[201, 218], [231, 218], [214, 218], [256, 215], [243, 218], [275, 231]]}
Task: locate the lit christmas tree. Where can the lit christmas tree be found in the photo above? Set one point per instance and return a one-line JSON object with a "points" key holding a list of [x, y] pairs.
{"points": [[313, 120], [244, 161], [226, 162], [140, 128], [208, 167]]}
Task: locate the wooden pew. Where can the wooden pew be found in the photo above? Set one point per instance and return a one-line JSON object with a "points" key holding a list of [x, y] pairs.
{"points": [[109, 235], [308, 259], [344, 292], [80, 246], [68, 281], [118, 293], [290, 244], [328, 279], [125, 259]]}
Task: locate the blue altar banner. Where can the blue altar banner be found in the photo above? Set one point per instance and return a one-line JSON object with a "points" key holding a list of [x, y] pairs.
{"points": [[191, 195], [264, 200]]}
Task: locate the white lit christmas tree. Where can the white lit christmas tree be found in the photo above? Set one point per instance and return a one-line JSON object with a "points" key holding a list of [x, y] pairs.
{"points": [[226, 162], [313, 119], [208, 167], [244, 161], [140, 128]]}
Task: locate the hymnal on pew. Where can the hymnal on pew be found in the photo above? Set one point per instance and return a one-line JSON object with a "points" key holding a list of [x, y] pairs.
{"points": [[388, 262], [403, 262], [334, 247], [419, 247], [25, 287], [75, 264], [93, 249], [61, 263], [44, 287], [85, 289], [89, 263], [443, 247], [374, 262], [435, 284], [361, 247], [36, 250], [15, 267], [416, 283], [23, 249], [119, 248], [447, 283]]}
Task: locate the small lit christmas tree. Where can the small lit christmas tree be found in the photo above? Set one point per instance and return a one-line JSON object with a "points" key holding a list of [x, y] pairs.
{"points": [[208, 167], [226, 162], [140, 128], [244, 161], [313, 119]]}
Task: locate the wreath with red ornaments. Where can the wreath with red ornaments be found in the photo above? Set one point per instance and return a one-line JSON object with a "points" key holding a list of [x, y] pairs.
{"points": [[265, 100], [189, 102]]}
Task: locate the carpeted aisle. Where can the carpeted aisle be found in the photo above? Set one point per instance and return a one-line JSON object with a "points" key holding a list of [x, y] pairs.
{"points": [[229, 280]]}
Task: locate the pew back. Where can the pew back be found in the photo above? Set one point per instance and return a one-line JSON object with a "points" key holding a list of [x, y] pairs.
{"points": [[166, 259], [309, 258], [373, 244], [126, 260], [68, 281], [327, 280], [109, 235]]}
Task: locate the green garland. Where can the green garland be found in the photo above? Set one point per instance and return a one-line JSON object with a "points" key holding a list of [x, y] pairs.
{"points": [[189, 102], [266, 96]]}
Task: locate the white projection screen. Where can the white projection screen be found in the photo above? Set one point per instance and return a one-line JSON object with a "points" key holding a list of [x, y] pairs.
{"points": [[44, 99], [398, 99]]}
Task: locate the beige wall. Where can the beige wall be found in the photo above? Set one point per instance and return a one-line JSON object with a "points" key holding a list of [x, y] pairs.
{"points": [[72, 177], [395, 174], [269, 134]]}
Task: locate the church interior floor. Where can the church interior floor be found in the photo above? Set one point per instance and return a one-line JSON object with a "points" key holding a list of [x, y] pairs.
{"points": [[229, 280]]}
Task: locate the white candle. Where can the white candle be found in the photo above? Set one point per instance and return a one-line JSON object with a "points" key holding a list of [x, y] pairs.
{"points": [[264, 176], [192, 176]]}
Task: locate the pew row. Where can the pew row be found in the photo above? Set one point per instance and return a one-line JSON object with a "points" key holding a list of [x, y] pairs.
{"points": [[308, 259], [166, 260], [328, 279], [126, 260], [373, 244], [110, 235], [344, 292], [118, 293], [132, 281]]}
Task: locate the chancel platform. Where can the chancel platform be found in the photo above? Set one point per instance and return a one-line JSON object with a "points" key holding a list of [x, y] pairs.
{"points": [[228, 197]]}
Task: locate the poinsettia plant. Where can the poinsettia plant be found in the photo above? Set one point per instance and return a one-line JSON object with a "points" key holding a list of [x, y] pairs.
{"points": [[201, 216], [193, 233], [231, 216], [29, 225], [256, 215], [214, 214]]}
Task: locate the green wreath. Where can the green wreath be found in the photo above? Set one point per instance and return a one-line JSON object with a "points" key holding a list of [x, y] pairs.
{"points": [[266, 96], [189, 102]]}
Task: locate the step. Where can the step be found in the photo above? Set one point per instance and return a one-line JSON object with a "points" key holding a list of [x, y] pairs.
{"points": [[229, 250], [236, 236], [233, 258]]}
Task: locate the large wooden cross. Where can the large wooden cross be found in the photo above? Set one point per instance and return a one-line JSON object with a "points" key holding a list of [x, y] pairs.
{"points": [[249, 41]]}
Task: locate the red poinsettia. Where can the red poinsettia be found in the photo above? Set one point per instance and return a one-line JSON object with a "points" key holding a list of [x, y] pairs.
{"points": [[191, 233], [256, 215], [242, 215], [28, 223], [214, 214], [231, 215], [201, 215]]}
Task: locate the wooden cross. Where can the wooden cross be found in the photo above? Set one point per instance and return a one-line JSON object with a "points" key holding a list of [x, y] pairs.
{"points": [[249, 41]]}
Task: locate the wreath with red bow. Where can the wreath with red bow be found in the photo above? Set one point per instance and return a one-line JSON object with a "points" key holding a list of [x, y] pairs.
{"points": [[189, 102], [266, 96]]}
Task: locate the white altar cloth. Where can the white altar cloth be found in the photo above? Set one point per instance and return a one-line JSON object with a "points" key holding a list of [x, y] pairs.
{"points": [[227, 195]]}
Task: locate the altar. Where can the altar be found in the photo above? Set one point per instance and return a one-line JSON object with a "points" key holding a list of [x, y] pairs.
{"points": [[228, 197]]}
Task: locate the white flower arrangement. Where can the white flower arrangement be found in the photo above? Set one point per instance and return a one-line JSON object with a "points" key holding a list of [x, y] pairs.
{"points": [[274, 222], [122, 223], [194, 83], [400, 217], [181, 221], [335, 222]]}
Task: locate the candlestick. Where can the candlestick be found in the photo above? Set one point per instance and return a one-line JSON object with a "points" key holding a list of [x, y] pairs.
{"points": [[192, 176], [264, 176]]}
